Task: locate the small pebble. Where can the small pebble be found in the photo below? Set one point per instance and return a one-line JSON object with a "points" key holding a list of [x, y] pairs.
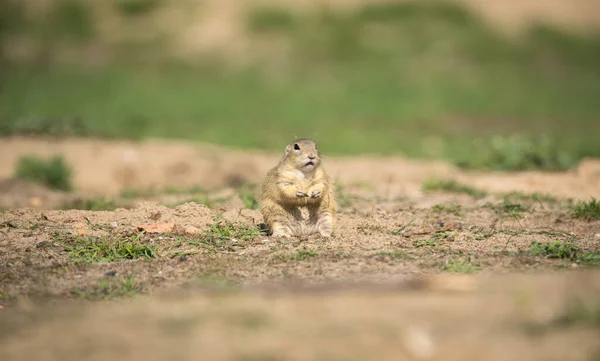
{"points": [[597, 235], [110, 273]]}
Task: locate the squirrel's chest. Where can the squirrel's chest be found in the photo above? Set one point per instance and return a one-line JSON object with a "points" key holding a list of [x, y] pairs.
{"points": [[300, 178]]}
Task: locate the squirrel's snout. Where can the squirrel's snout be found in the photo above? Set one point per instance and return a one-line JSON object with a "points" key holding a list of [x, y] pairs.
{"points": [[311, 156]]}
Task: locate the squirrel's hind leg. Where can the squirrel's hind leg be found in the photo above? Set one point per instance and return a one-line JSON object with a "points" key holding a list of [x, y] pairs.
{"points": [[321, 221], [279, 230], [325, 224], [279, 220]]}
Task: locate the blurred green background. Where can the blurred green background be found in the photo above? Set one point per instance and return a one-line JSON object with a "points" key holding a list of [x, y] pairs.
{"points": [[423, 79]]}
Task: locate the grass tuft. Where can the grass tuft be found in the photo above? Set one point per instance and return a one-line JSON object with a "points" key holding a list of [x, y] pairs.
{"points": [[123, 287], [589, 211], [249, 200], [452, 208], [98, 250], [247, 194], [511, 208], [53, 173], [395, 255], [555, 249], [459, 266], [590, 259], [537, 197], [226, 230], [299, 255]]}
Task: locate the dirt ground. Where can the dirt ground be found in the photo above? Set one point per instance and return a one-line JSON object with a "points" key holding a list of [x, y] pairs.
{"points": [[408, 275]]}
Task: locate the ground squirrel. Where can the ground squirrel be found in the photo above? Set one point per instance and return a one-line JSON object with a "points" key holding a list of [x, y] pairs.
{"points": [[298, 183]]}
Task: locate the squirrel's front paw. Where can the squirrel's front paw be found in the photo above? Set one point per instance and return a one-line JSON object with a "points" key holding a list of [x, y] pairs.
{"points": [[315, 194], [301, 194]]}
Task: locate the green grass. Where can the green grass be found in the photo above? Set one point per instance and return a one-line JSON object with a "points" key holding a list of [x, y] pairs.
{"points": [[452, 186], [215, 279], [225, 230], [53, 172], [299, 255], [589, 211], [554, 249], [590, 259], [123, 287], [427, 80], [224, 236], [537, 197], [452, 208], [247, 193], [100, 250], [426, 243], [6, 298], [508, 207], [395, 255], [461, 265], [249, 200]]}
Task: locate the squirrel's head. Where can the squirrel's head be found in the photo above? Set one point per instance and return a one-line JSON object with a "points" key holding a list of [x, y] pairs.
{"points": [[304, 154]]}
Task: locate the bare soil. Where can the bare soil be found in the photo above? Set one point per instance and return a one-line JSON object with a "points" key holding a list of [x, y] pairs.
{"points": [[408, 275]]}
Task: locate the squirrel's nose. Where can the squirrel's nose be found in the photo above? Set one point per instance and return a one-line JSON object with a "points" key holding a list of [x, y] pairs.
{"points": [[311, 156]]}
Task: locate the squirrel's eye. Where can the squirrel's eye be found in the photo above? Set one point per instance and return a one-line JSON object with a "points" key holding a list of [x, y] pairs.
{"points": [[296, 146]]}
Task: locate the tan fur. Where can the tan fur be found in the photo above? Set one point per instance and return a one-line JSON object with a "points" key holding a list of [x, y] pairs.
{"points": [[296, 200]]}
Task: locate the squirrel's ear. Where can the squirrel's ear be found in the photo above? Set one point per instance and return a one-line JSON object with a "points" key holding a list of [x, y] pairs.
{"points": [[288, 149]]}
